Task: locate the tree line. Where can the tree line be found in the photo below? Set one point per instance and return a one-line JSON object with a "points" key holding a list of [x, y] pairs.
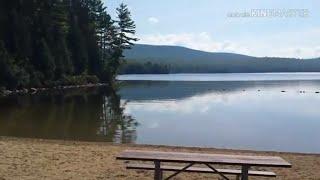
{"points": [[58, 42], [131, 67]]}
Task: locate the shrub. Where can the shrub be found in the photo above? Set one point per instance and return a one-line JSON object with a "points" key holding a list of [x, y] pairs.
{"points": [[79, 80], [92, 79]]}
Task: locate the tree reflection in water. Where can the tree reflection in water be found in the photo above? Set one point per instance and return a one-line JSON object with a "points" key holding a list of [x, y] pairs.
{"points": [[117, 126], [90, 115]]}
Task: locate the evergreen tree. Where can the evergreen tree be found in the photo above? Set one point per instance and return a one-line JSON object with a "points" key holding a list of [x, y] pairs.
{"points": [[62, 58], [122, 39], [46, 61], [12, 74], [126, 27], [97, 15], [60, 29], [78, 49], [7, 76]]}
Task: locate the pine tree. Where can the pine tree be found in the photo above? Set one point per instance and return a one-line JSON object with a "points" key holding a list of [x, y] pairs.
{"points": [[126, 27], [7, 77], [122, 38], [79, 53], [46, 60], [60, 15], [60, 23], [62, 55], [12, 73]]}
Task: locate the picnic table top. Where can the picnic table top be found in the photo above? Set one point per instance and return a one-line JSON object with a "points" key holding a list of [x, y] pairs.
{"points": [[183, 157]]}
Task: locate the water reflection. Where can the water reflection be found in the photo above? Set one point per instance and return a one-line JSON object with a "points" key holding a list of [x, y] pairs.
{"points": [[257, 115], [273, 115], [162, 90], [95, 115]]}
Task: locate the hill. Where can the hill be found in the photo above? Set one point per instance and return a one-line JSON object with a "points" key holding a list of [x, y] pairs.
{"points": [[176, 59]]}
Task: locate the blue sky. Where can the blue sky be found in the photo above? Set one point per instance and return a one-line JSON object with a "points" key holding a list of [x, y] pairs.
{"points": [[205, 25]]}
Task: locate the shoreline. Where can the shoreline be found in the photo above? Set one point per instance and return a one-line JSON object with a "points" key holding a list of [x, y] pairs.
{"points": [[195, 148], [27, 91], [29, 158]]}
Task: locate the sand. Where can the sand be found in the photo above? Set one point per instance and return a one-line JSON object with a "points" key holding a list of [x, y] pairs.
{"points": [[35, 159]]}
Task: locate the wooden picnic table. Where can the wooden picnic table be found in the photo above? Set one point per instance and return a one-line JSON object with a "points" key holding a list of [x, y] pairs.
{"points": [[209, 160]]}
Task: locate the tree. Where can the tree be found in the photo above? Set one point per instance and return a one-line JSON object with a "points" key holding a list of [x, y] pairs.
{"points": [[62, 58], [7, 76], [60, 24], [46, 61], [109, 48], [126, 27], [60, 15], [78, 49], [122, 39], [12, 74]]}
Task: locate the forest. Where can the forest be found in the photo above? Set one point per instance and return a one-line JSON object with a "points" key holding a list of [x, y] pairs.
{"points": [[61, 42], [131, 67]]}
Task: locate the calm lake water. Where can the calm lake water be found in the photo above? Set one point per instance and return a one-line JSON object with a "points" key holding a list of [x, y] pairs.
{"points": [[272, 111]]}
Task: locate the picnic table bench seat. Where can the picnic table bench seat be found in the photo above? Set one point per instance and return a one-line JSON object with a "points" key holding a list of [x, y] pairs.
{"points": [[199, 170]]}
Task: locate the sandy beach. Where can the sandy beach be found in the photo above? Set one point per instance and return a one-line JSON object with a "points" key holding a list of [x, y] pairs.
{"points": [[22, 158]]}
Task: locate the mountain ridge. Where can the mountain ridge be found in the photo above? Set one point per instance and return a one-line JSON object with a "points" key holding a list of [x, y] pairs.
{"points": [[186, 60], [208, 52]]}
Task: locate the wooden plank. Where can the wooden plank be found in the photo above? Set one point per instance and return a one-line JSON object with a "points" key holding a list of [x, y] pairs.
{"points": [[268, 161], [199, 170]]}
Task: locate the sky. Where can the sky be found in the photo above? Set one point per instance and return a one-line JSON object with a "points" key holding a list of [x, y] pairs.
{"points": [[273, 28]]}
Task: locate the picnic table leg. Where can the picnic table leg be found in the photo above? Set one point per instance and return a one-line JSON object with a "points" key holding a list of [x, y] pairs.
{"points": [[245, 172], [157, 171], [238, 177]]}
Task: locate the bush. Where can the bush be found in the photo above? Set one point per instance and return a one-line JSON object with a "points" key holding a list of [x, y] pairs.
{"points": [[79, 80], [92, 79]]}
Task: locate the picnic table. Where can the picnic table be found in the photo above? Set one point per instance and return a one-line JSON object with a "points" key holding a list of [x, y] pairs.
{"points": [[208, 160]]}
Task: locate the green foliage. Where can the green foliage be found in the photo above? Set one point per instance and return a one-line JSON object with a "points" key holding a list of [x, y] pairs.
{"points": [[79, 80], [48, 43], [46, 60], [126, 27], [78, 49], [117, 40], [12, 74], [144, 68], [60, 16], [63, 62]]}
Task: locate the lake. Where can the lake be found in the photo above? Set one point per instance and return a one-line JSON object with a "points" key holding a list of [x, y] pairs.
{"points": [[263, 111]]}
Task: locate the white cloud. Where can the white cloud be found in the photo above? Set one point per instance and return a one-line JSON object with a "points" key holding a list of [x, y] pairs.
{"points": [[153, 20], [272, 46], [300, 44], [197, 104], [200, 41], [317, 51], [302, 52]]}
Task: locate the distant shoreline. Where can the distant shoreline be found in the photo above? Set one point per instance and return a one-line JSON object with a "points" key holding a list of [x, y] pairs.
{"points": [[282, 76]]}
